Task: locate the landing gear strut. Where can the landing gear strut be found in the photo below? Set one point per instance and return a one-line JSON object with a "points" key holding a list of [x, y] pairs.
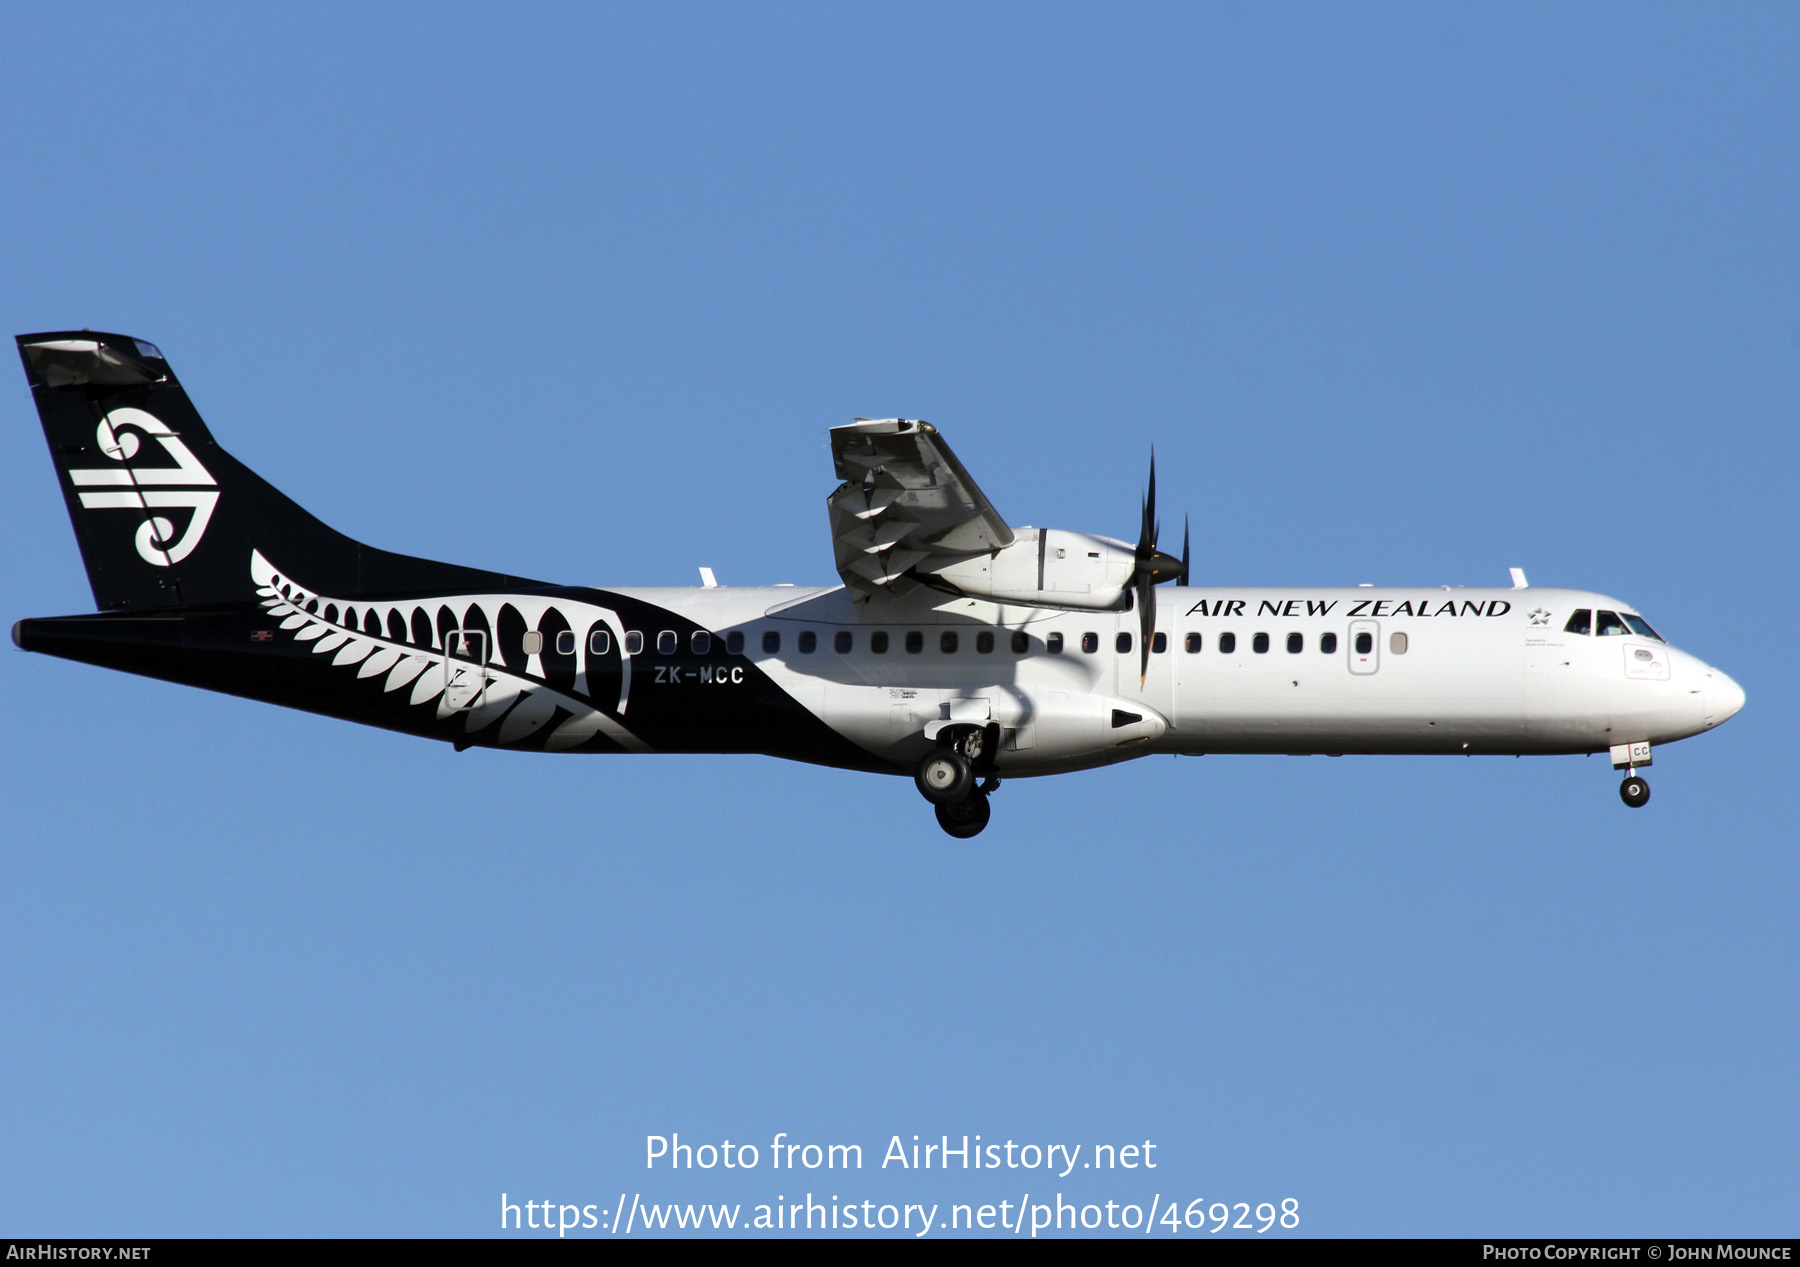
{"points": [[946, 777]]}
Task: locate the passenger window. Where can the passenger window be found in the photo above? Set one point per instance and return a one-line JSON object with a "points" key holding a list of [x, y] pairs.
{"points": [[1090, 642], [1397, 643], [665, 642], [1365, 643], [809, 642], [1227, 643], [1260, 644], [1641, 627], [634, 642], [947, 642], [600, 642], [565, 642], [1328, 643], [915, 642], [734, 642], [878, 642], [984, 642], [532, 643], [1021, 642], [844, 641], [1610, 626], [1296, 643], [700, 642], [1192, 644], [1581, 622], [1053, 643], [771, 642], [1122, 644], [1159, 643]]}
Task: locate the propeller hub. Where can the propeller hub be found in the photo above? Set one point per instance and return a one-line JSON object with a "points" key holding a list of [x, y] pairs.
{"points": [[1160, 567]]}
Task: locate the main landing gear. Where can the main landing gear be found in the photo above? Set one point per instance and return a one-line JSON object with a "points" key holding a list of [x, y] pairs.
{"points": [[946, 776], [1634, 791]]}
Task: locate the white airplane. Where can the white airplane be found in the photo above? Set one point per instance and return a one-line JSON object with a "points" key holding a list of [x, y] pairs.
{"points": [[959, 649]]}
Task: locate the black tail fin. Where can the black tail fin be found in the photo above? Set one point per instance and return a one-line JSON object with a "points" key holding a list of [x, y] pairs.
{"points": [[164, 516]]}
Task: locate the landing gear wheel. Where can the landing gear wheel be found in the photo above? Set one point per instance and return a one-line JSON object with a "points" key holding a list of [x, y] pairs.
{"points": [[1635, 792], [944, 777], [965, 818]]}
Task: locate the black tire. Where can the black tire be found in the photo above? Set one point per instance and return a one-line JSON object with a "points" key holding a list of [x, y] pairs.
{"points": [[944, 776], [966, 817], [1635, 792]]}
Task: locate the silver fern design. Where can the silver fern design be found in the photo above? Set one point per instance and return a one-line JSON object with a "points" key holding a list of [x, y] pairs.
{"points": [[521, 702]]}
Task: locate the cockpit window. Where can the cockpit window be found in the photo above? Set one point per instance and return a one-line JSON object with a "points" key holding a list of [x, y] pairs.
{"points": [[1641, 627], [1610, 626], [1581, 622]]}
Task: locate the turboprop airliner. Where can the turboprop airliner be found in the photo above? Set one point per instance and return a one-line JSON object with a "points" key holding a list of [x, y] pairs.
{"points": [[958, 648]]}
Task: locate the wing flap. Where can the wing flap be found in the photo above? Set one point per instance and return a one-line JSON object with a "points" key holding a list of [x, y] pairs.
{"points": [[906, 500]]}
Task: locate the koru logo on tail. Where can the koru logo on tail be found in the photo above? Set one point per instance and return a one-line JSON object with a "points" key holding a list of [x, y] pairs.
{"points": [[129, 487]]}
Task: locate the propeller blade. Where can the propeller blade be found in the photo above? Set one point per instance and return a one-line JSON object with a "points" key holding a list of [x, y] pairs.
{"points": [[1146, 601], [1148, 533], [1153, 566]]}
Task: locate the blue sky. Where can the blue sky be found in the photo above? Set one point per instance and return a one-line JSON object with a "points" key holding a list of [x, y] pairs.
{"points": [[1400, 294]]}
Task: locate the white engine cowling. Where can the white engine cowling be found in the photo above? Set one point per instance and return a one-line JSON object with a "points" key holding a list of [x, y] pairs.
{"points": [[1047, 567]]}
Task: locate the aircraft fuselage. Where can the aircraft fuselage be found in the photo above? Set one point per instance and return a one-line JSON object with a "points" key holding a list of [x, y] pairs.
{"points": [[960, 648], [813, 674]]}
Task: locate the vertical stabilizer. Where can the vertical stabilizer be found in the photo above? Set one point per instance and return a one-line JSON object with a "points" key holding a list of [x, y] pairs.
{"points": [[164, 516]]}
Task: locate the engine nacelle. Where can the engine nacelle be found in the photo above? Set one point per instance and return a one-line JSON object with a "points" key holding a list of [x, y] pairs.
{"points": [[1046, 567]]}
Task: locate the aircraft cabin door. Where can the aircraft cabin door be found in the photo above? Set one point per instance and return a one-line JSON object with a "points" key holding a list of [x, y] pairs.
{"points": [[1365, 646], [465, 661]]}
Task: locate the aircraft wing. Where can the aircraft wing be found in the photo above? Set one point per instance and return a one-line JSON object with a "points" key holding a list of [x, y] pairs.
{"points": [[905, 500]]}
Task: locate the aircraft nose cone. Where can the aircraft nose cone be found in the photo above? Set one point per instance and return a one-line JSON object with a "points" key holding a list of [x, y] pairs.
{"points": [[1723, 697]]}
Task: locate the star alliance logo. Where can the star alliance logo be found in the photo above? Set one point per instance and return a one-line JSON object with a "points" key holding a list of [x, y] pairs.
{"points": [[1539, 616]]}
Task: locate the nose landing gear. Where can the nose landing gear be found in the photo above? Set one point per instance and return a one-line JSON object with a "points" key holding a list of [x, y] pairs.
{"points": [[946, 777], [1634, 791]]}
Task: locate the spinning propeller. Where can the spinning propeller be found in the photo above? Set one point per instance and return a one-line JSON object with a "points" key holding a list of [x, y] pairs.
{"points": [[1153, 568]]}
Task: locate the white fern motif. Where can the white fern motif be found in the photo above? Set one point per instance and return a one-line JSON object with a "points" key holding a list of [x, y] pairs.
{"points": [[521, 702]]}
